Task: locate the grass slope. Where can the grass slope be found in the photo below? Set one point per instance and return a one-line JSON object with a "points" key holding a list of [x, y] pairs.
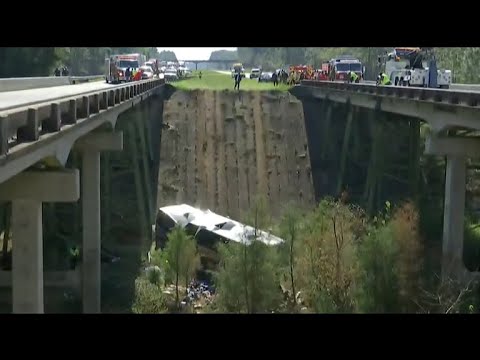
{"points": [[213, 80]]}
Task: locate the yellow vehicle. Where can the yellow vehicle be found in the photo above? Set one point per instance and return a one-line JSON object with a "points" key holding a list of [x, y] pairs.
{"points": [[238, 68]]}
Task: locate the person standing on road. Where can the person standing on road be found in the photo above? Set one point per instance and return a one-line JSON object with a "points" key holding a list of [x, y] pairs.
{"points": [[354, 78], [275, 78], [238, 78]]}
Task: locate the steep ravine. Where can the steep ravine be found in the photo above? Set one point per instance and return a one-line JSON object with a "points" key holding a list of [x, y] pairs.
{"points": [[221, 149]]}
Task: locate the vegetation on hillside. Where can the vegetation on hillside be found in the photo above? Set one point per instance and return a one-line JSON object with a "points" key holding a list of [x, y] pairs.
{"points": [[213, 80], [335, 259]]}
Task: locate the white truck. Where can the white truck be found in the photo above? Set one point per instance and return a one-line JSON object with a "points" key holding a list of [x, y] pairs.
{"points": [[408, 67]]}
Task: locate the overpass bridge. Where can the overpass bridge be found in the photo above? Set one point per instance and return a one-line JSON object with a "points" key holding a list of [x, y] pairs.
{"points": [[447, 112], [46, 124], [196, 62]]}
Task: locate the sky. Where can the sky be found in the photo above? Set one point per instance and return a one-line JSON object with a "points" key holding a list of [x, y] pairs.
{"points": [[194, 53]]}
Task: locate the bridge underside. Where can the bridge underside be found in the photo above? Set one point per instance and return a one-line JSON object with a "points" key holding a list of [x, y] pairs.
{"points": [[372, 156]]}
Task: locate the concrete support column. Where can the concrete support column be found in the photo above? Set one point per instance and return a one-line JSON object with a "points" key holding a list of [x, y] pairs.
{"points": [[90, 147], [27, 191], [27, 261], [91, 231], [453, 214], [457, 150]]}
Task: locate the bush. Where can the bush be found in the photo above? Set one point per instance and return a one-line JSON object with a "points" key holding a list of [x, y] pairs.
{"points": [[149, 298], [156, 276], [391, 260], [247, 280], [327, 261]]}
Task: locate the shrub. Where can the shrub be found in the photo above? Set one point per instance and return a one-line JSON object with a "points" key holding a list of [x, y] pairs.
{"points": [[149, 298]]}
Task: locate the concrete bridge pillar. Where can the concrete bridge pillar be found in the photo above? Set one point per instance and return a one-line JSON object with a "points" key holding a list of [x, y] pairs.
{"points": [[27, 191], [457, 150], [90, 147]]}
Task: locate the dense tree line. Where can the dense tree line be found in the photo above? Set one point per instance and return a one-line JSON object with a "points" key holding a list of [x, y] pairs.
{"points": [[41, 61], [462, 61]]}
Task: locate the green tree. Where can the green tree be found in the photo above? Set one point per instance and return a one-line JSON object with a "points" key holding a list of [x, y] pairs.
{"points": [[327, 263], [149, 298], [248, 278], [180, 257], [290, 230], [224, 55], [166, 55]]}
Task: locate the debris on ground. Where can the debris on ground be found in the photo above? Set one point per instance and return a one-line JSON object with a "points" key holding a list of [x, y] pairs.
{"points": [[199, 294]]}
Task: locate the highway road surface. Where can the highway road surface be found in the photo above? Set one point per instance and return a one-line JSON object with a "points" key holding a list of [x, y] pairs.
{"points": [[13, 99]]}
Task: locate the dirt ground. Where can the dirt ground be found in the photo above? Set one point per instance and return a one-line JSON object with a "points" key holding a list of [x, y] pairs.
{"points": [[220, 149]]}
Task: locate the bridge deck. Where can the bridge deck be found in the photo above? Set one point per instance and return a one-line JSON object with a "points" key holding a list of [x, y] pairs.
{"points": [[14, 99]]}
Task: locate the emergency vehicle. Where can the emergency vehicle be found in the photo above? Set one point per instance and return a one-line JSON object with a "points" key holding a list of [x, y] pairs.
{"points": [[339, 68], [116, 65], [298, 73], [408, 66], [323, 73]]}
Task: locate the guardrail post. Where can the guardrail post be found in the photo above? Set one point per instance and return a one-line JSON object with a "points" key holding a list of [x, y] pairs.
{"points": [[54, 122], [104, 101], [95, 104], [111, 98], [85, 107], [3, 135], [118, 96], [30, 132], [71, 116]]}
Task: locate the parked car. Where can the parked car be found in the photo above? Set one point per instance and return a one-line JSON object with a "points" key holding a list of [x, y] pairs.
{"points": [[147, 72], [171, 75], [265, 77], [255, 73]]}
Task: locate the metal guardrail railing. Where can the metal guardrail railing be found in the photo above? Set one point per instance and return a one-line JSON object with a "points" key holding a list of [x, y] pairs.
{"points": [[24, 122], [462, 95]]}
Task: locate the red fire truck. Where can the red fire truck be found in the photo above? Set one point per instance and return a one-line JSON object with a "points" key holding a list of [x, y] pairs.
{"points": [[116, 65]]}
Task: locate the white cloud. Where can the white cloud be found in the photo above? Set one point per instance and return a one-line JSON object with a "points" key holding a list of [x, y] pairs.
{"points": [[194, 53]]}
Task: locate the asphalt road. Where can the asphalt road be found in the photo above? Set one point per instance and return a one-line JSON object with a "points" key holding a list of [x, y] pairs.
{"points": [[12, 99]]}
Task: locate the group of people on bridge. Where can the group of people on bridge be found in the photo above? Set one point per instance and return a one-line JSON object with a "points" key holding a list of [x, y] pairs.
{"points": [[61, 71]]}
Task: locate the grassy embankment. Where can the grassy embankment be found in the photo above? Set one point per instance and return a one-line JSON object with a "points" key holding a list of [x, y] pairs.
{"points": [[213, 80]]}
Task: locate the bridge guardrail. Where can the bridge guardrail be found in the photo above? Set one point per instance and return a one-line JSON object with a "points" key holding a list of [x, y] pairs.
{"points": [[462, 95], [26, 83], [463, 87], [25, 121]]}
